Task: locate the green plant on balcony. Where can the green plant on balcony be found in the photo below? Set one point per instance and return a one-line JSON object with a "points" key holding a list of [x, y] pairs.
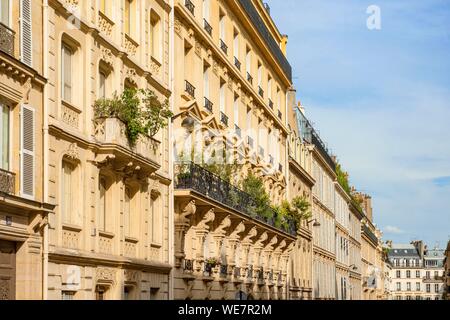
{"points": [[212, 262], [296, 210], [254, 186], [139, 109]]}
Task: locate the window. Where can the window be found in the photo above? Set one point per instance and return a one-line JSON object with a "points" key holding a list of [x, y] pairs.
{"points": [[408, 274], [102, 203], [67, 295], [399, 274], [222, 96], [428, 288], [100, 292], [4, 140], [248, 61], [4, 12], [408, 298], [259, 74], [408, 286], [236, 44], [222, 27], [68, 188], [417, 286], [104, 6], [236, 110], [436, 274], [128, 17], [102, 85], [66, 73], [269, 88], [206, 81], [436, 298], [436, 288], [418, 298], [127, 211], [206, 10], [155, 36], [399, 286], [398, 297], [418, 274], [154, 293], [428, 275], [128, 293]]}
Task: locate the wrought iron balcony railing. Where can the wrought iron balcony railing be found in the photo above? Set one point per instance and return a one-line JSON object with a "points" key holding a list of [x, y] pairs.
{"points": [[190, 176], [237, 63], [7, 182], [249, 78], [190, 6], [190, 89], [238, 131], [223, 46], [223, 271], [224, 118], [188, 266], [280, 115], [261, 92], [7, 39], [207, 27], [271, 104], [208, 105]]}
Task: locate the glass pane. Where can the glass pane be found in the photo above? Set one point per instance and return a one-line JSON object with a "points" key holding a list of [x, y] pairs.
{"points": [[102, 204], [102, 85], [4, 141], [4, 12]]}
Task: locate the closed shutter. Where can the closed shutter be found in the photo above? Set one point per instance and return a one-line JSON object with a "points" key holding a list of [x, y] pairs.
{"points": [[26, 47], [27, 152]]}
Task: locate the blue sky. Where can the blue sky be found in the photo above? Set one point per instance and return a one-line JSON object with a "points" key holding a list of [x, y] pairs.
{"points": [[381, 100]]}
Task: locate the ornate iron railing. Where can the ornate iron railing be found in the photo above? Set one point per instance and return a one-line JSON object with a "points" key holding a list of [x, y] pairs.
{"points": [[224, 118], [190, 176], [237, 63], [190, 89], [208, 105], [190, 6], [238, 131], [261, 92], [6, 39], [223, 46], [188, 266], [271, 104], [223, 271], [207, 27], [249, 78], [7, 182], [280, 115]]}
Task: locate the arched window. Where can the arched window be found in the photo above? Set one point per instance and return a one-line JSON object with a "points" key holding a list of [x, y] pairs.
{"points": [[69, 191]]}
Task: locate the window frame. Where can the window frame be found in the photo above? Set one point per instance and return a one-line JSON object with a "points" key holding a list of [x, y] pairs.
{"points": [[9, 132]]}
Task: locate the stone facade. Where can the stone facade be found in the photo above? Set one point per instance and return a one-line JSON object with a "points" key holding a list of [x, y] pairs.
{"points": [[108, 237]]}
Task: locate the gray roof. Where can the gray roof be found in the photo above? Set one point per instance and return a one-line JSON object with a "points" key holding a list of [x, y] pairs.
{"points": [[435, 254], [404, 250]]}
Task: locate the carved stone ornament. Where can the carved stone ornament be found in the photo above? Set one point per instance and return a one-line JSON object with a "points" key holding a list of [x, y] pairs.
{"points": [[73, 152], [105, 275], [107, 57]]}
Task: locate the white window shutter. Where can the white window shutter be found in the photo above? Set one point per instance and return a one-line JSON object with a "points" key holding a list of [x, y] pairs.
{"points": [[27, 151], [26, 46]]}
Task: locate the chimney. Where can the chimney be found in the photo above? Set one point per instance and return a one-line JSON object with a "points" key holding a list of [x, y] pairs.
{"points": [[284, 42]]}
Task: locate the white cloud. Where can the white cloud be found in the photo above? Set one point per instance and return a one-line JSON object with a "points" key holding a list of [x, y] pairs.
{"points": [[393, 230]]}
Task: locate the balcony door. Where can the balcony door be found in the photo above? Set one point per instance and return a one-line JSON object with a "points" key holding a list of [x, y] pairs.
{"points": [[7, 270], [4, 12]]}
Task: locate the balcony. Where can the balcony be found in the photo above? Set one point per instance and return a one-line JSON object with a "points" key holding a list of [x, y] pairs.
{"points": [[223, 46], [271, 104], [190, 89], [7, 39], [190, 176], [260, 92], [238, 131], [224, 119], [237, 63], [249, 78], [190, 6], [207, 27], [7, 182], [208, 105], [188, 266], [110, 133]]}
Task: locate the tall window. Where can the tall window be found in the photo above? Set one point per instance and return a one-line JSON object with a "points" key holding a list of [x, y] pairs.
{"points": [[418, 274], [67, 192], [66, 73], [127, 211], [259, 74], [102, 85], [236, 44], [155, 36], [206, 10], [222, 97], [206, 81], [128, 17], [102, 187], [408, 274], [4, 12], [236, 110], [269, 88], [222, 27], [4, 139], [67, 295], [428, 287], [399, 286], [417, 286], [436, 288], [248, 61]]}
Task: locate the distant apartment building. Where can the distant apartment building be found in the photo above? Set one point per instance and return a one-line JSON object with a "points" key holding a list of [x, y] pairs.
{"points": [[417, 273], [447, 273]]}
